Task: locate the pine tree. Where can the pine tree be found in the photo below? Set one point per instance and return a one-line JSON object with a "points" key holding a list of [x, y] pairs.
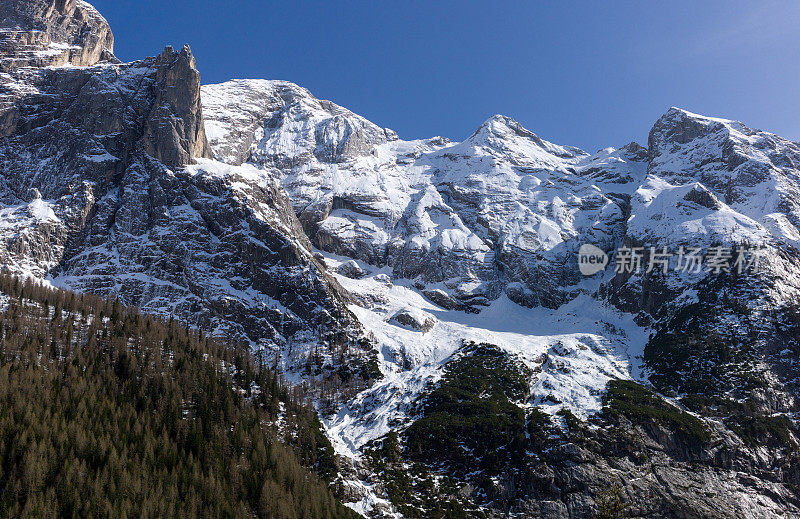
{"points": [[131, 416]]}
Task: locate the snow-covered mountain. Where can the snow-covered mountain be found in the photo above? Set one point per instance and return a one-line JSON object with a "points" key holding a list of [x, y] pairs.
{"points": [[105, 188], [428, 291], [503, 211], [444, 244]]}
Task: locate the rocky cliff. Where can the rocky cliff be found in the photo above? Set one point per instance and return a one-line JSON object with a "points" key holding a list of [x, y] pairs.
{"points": [[102, 191], [44, 33], [433, 285]]}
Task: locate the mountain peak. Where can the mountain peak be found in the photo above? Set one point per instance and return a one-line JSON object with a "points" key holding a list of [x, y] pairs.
{"points": [[500, 119], [499, 124], [279, 121], [679, 116], [41, 33], [634, 151], [175, 132], [681, 113], [502, 132], [681, 126]]}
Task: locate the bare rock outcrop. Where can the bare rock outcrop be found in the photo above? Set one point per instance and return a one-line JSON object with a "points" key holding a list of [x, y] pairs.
{"points": [[52, 33], [174, 132], [99, 191]]}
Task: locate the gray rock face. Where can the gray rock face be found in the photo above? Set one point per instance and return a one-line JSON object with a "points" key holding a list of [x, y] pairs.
{"points": [[175, 132], [99, 194], [223, 253], [656, 478], [52, 33], [69, 125], [440, 298], [503, 211]]}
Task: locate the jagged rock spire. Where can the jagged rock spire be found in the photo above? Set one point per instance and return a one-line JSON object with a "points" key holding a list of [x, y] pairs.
{"points": [[175, 132]]}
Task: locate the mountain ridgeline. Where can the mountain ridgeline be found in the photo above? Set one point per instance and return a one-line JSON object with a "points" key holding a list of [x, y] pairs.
{"points": [[425, 295]]}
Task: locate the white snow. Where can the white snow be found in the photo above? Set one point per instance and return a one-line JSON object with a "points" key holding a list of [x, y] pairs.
{"points": [[503, 192], [575, 351]]}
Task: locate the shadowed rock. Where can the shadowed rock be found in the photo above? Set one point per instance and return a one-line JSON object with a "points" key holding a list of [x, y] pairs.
{"points": [[175, 132]]}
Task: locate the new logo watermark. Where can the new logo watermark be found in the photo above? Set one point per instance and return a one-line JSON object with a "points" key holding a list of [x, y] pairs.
{"points": [[591, 259], [714, 260]]}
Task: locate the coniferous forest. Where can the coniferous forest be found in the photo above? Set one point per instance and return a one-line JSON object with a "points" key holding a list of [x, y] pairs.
{"points": [[105, 412]]}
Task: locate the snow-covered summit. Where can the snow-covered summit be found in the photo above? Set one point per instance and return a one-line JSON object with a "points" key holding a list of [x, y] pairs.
{"points": [[507, 136], [461, 215], [752, 178], [278, 122]]}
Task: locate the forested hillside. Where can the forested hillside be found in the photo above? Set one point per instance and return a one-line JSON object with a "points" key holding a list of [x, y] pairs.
{"points": [[105, 412]]}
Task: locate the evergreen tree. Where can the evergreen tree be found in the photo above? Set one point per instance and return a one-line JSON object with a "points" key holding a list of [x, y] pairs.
{"points": [[105, 412]]}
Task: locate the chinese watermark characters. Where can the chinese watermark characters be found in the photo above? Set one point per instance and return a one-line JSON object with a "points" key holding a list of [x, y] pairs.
{"points": [[691, 260]]}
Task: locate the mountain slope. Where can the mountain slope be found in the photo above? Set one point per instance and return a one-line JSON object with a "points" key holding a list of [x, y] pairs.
{"points": [[502, 211], [419, 231], [97, 196], [421, 289], [109, 412]]}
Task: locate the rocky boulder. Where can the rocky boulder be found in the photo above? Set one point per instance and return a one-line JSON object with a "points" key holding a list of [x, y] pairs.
{"points": [[415, 320], [351, 269]]}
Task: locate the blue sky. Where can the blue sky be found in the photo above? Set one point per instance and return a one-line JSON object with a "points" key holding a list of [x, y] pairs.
{"points": [[585, 73]]}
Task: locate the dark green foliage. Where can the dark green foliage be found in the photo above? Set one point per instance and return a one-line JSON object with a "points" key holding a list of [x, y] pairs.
{"points": [[575, 427], [710, 353], [339, 368], [539, 428], [641, 406], [708, 347], [470, 420], [369, 367], [748, 421], [775, 431], [411, 486], [105, 412], [470, 428], [610, 504]]}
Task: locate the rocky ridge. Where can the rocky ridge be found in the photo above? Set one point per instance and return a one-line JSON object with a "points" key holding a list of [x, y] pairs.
{"points": [[349, 254], [105, 188], [45, 33], [499, 218]]}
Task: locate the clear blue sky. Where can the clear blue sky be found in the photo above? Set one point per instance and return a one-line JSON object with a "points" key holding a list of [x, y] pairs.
{"points": [[585, 73]]}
